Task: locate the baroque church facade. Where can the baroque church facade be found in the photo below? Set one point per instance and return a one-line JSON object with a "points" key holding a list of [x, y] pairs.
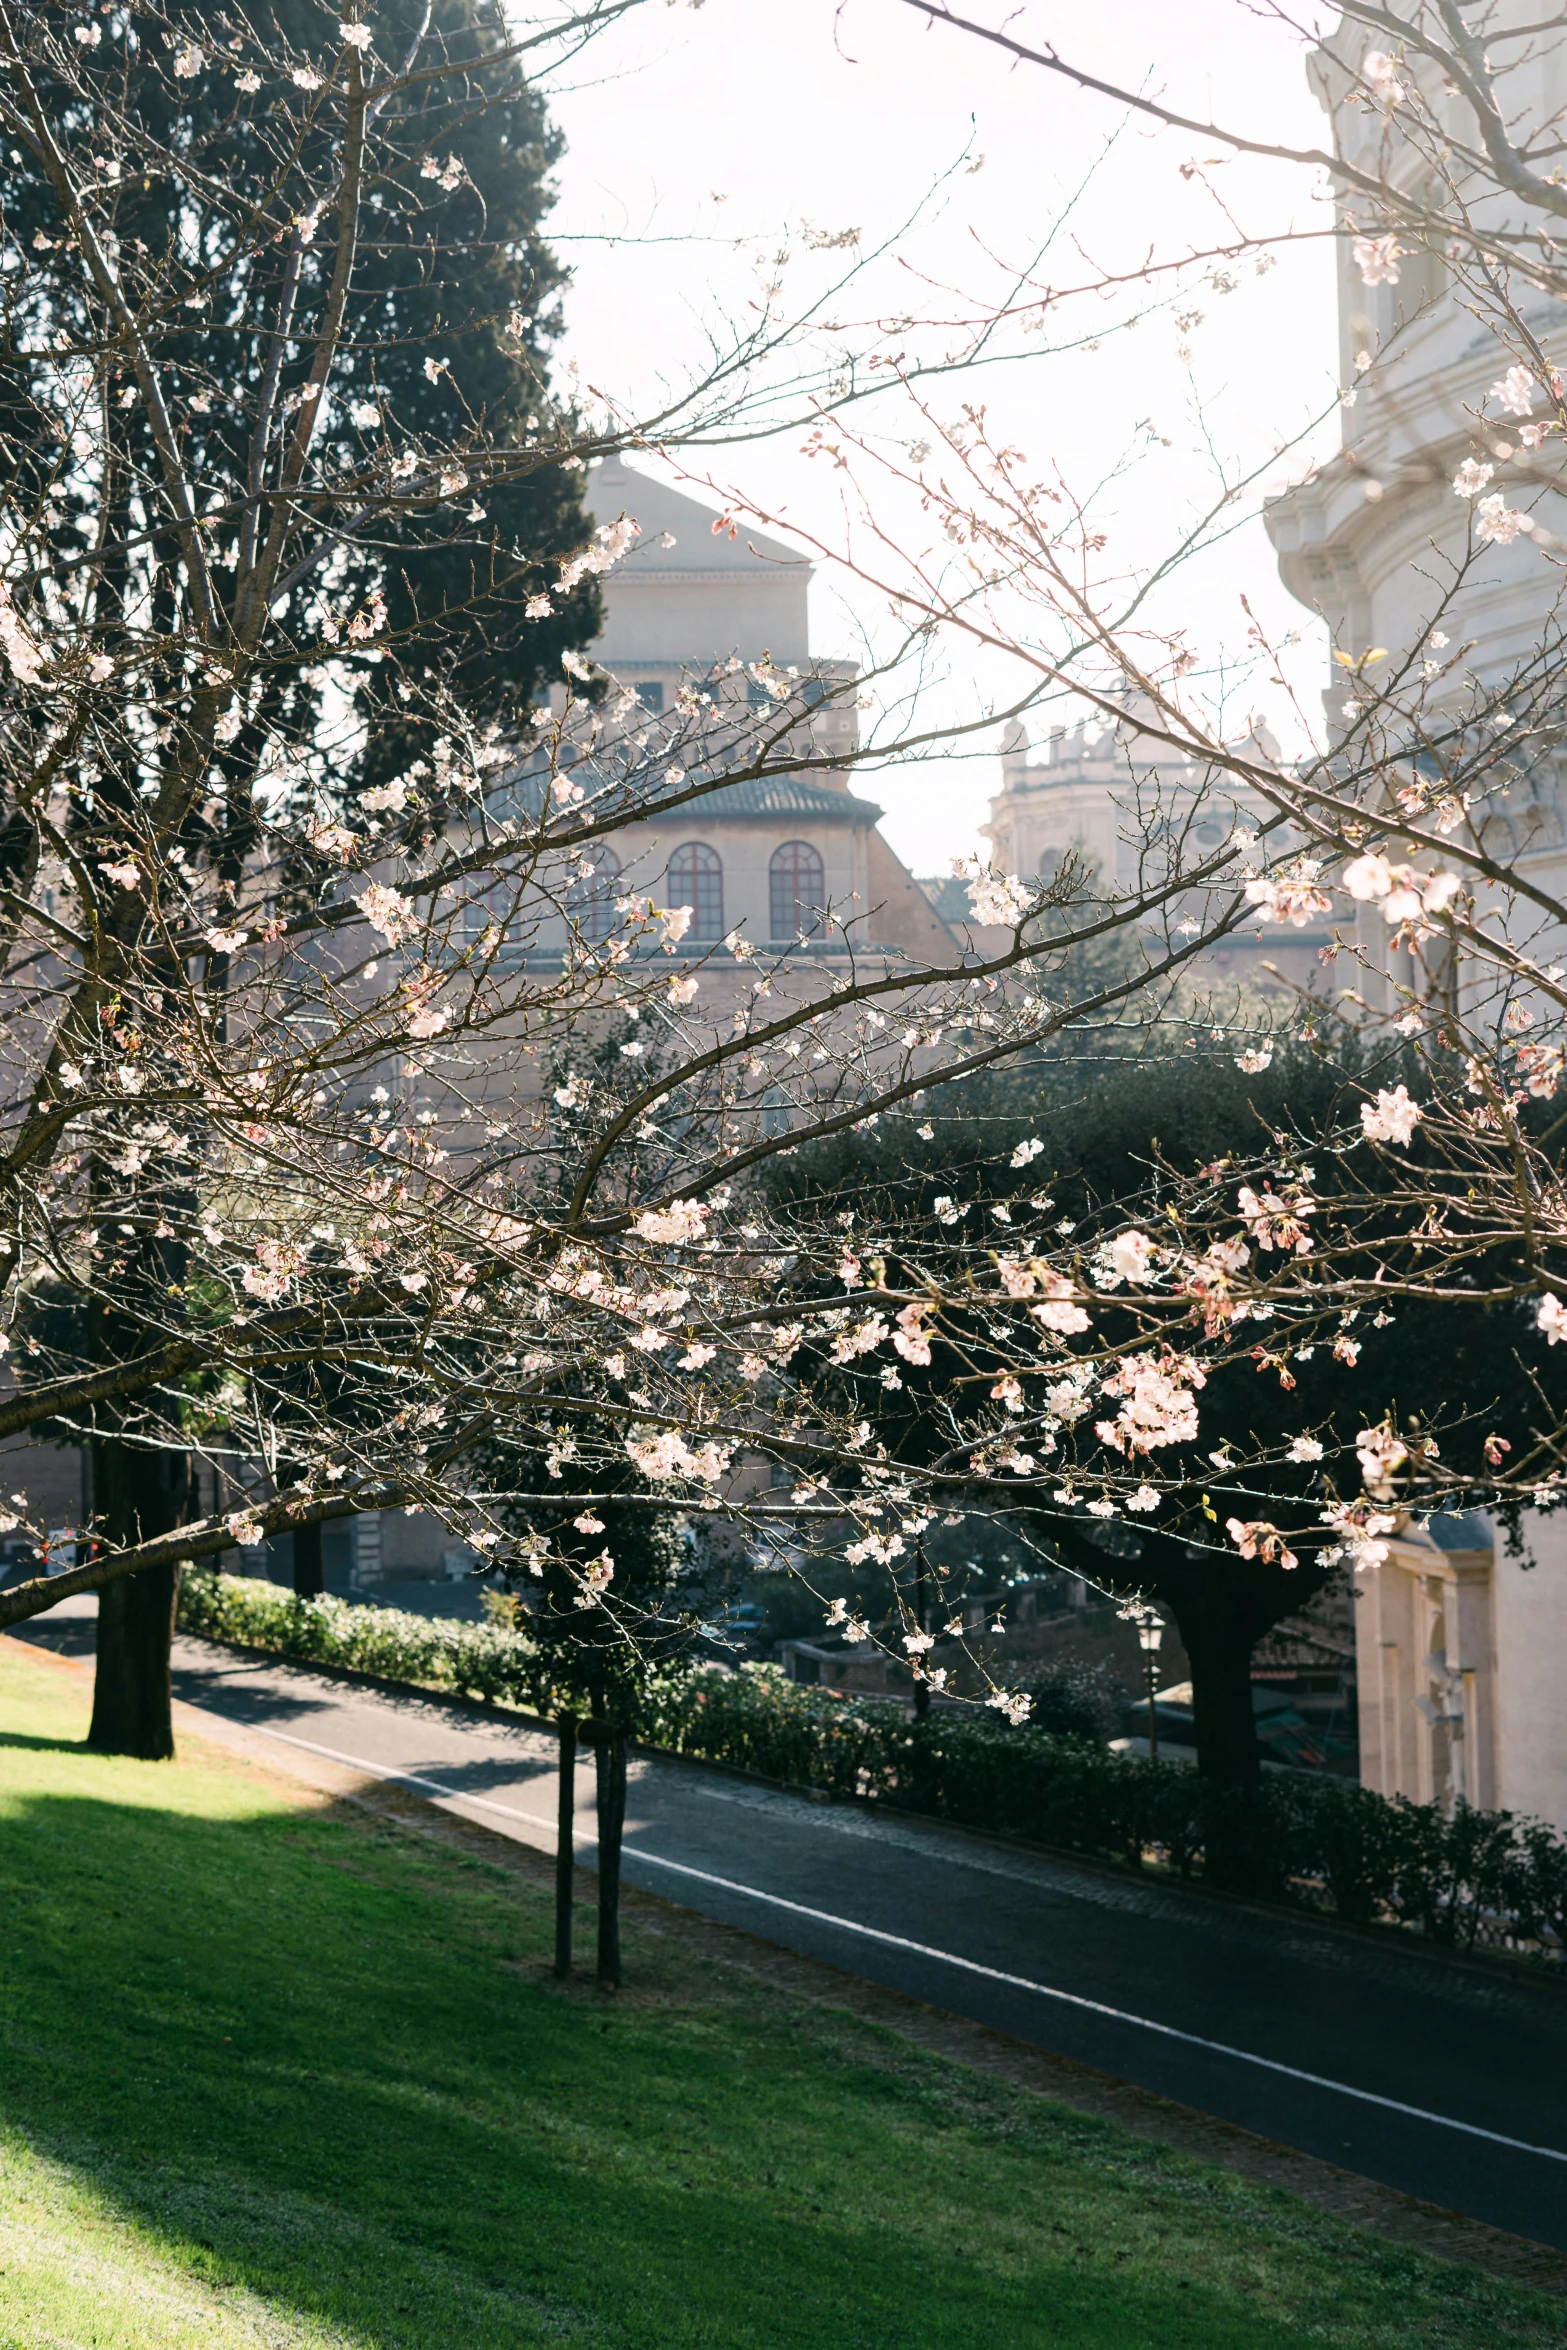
{"points": [[1461, 1643]]}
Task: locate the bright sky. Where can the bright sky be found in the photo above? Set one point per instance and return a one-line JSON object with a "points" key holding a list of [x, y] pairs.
{"points": [[694, 132]]}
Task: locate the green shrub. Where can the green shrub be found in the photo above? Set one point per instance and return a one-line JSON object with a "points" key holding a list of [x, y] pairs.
{"points": [[1462, 1877], [475, 1660]]}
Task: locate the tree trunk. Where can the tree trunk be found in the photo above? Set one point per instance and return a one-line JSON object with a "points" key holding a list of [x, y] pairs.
{"points": [[309, 1571], [610, 1757], [565, 1840], [1218, 1638], [137, 1494], [921, 1663]]}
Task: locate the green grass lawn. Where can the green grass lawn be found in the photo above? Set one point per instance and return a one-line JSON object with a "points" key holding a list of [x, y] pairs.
{"points": [[275, 2072]]}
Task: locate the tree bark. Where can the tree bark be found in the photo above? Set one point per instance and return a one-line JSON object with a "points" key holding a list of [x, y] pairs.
{"points": [[309, 1570], [1218, 1637], [1222, 1606], [565, 1840], [137, 1494], [610, 1757]]}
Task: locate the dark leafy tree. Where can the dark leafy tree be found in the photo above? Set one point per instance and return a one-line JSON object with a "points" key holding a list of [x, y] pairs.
{"points": [[1277, 1425]]}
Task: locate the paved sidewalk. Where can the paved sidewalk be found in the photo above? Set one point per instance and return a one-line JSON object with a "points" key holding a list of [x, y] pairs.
{"points": [[1443, 2079]]}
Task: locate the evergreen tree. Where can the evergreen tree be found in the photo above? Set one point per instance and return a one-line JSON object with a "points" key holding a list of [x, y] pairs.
{"points": [[227, 143]]}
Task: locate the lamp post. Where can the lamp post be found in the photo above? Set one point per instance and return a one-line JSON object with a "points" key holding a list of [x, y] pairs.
{"points": [[1150, 1631]]}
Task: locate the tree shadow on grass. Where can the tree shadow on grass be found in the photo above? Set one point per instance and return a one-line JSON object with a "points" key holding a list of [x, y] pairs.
{"points": [[306, 2056], [21, 1740]]}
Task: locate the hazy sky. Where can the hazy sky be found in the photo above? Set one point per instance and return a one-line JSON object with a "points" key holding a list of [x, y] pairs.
{"points": [[701, 139]]}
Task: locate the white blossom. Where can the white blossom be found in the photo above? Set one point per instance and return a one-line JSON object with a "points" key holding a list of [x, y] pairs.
{"points": [[682, 1222], [1552, 1318], [1376, 258], [993, 897], [386, 911], [1392, 1117], [1471, 478], [1516, 391], [1499, 524]]}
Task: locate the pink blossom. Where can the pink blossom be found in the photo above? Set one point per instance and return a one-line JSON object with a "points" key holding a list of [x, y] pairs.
{"points": [[1276, 1222], [682, 1222], [597, 1576], [1288, 897], [1256, 1538], [668, 1455], [1059, 1313], [1358, 1528], [1158, 1408], [911, 1339], [1367, 877], [385, 911]]}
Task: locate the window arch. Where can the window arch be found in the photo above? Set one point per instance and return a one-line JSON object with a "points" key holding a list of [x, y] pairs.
{"points": [[798, 888], [590, 901], [696, 879]]}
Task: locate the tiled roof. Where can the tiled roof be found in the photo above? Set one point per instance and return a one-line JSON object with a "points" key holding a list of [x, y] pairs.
{"points": [[520, 792], [786, 795]]}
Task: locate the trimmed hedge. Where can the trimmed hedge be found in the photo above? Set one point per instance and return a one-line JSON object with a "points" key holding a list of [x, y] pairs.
{"points": [[475, 1660], [1462, 1878]]}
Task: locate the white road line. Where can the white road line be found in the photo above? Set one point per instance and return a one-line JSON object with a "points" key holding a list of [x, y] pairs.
{"points": [[968, 1966]]}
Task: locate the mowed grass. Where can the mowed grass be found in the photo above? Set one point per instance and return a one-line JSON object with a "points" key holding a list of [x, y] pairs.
{"points": [[275, 2072]]}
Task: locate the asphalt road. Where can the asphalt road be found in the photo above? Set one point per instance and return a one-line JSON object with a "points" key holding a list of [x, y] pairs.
{"points": [[1446, 2080]]}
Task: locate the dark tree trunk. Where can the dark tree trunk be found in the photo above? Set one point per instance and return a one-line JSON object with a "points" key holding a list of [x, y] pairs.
{"points": [[565, 1840], [1222, 1606], [1218, 1637], [610, 1756], [309, 1572], [921, 1615], [138, 1494]]}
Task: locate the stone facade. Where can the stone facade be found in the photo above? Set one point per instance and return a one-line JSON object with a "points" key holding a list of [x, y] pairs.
{"points": [[1460, 1649], [1123, 806], [687, 600]]}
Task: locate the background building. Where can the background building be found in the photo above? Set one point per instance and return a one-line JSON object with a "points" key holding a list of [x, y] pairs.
{"points": [[1129, 808], [763, 856], [1461, 1648]]}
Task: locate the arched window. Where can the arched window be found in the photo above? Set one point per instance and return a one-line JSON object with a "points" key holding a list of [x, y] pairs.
{"points": [[696, 879], [590, 901], [798, 889]]}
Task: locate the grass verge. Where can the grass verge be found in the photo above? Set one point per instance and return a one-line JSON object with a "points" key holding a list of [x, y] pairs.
{"points": [[273, 2071]]}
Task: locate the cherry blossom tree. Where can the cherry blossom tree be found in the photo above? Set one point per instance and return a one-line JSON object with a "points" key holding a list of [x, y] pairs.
{"points": [[310, 1193], [370, 1122]]}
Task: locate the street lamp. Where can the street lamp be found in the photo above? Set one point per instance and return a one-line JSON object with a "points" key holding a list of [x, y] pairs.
{"points": [[1150, 1631]]}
